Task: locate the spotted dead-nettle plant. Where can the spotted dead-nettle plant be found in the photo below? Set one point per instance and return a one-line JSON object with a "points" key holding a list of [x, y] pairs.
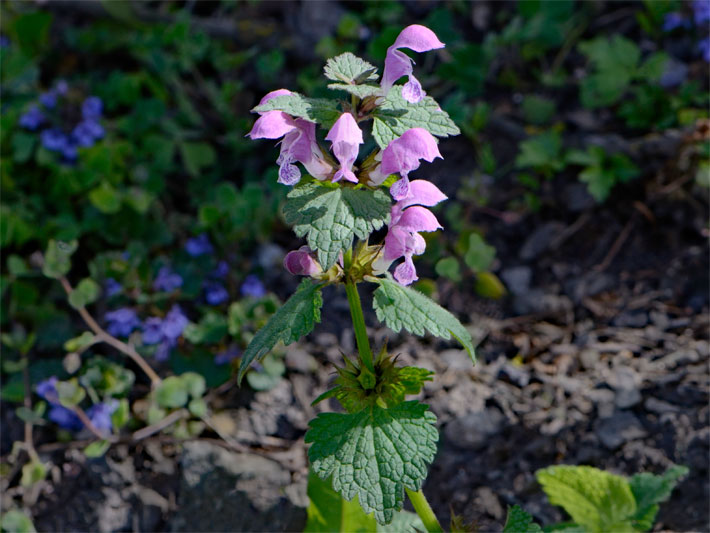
{"points": [[382, 445]]}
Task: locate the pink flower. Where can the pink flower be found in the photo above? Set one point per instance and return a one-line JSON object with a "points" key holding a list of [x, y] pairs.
{"points": [[299, 142], [346, 137], [408, 218], [398, 64], [404, 155], [302, 262]]}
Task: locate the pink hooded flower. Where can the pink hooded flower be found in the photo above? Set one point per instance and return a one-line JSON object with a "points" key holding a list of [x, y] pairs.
{"points": [[408, 218], [404, 155], [398, 64], [346, 137], [299, 142], [302, 262]]}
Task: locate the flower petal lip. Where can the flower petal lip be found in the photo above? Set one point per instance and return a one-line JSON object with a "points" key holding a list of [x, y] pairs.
{"points": [[272, 125], [273, 94], [418, 219], [422, 192], [397, 64], [418, 38]]}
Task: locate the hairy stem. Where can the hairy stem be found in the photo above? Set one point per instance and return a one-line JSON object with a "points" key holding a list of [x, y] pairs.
{"points": [[103, 336], [424, 510], [363, 344]]}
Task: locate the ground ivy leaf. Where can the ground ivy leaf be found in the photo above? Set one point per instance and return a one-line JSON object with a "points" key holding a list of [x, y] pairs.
{"points": [[520, 521], [374, 454], [649, 490], [395, 116], [292, 320], [350, 69], [401, 307], [361, 91], [595, 499], [331, 217], [318, 110]]}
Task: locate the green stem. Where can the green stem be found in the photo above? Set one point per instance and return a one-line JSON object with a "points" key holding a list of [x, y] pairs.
{"points": [[424, 510], [363, 344]]}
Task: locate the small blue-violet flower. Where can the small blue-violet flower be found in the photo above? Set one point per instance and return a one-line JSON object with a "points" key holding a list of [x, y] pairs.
{"points": [[54, 140], [226, 356], [92, 108], [167, 280], [253, 287], [32, 118], [100, 414], [215, 293], [112, 287], [199, 245], [122, 322]]}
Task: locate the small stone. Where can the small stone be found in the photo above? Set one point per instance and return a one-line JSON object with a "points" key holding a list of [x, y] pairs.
{"points": [[659, 406], [517, 375], [589, 358], [539, 240], [474, 430], [456, 360], [619, 428], [486, 499], [517, 279], [625, 382], [631, 320], [300, 360]]}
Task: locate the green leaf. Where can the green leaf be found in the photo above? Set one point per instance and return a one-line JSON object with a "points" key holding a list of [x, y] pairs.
{"points": [[196, 156], [16, 522], [519, 521], [70, 393], [291, 321], [172, 392], [57, 258], [31, 31], [653, 68], [479, 255], [374, 454], [198, 407], [97, 448], [538, 110], [23, 145], [121, 415], [396, 115], [615, 62], [542, 153], [106, 198], [350, 69], [32, 473], [328, 512], [489, 286], [194, 384], [332, 217], [401, 307], [649, 490], [318, 110], [448, 267], [595, 499], [79, 343], [86, 292], [361, 91]]}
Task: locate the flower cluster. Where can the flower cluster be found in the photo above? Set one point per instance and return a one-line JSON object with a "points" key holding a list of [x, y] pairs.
{"points": [[401, 156], [56, 134], [699, 19], [99, 414], [165, 331]]}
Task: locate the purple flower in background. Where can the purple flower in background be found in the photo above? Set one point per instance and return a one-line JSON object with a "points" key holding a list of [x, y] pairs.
{"points": [[92, 108], [672, 21], [704, 49], [47, 389], [162, 353], [199, 245], [152, 330], [112, 287], [167, 280], [100, 414], [65, 418], [173, 324], [70, 151], [54, 140], [226, 356], [4, 42], [122, 322], [222, 270], [61, 87], [215, 293], [398, 64], [701, 11], [346, 137], [48, 99], [253, 287], [32, 118], [87, 132]]}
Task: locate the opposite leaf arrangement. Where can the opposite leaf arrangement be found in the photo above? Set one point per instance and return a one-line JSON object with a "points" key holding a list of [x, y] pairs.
{"points": [[383, 444]]}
